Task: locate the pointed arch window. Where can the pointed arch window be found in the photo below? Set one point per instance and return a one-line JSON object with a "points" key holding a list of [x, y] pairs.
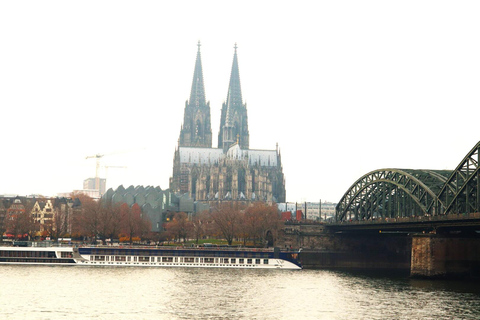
{"points": [[236, 132], [198, 129]]}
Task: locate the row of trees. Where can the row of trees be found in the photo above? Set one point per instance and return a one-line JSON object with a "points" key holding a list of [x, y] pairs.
{"points": [[93, 220], [229, 221], [19, 221], [101, 222]]}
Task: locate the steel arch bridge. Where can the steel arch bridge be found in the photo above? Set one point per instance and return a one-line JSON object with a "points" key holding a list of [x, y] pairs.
{"points": [[395, 193]]}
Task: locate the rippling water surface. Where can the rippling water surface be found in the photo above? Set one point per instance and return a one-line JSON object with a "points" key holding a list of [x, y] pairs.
{"points": [[37, 292]]}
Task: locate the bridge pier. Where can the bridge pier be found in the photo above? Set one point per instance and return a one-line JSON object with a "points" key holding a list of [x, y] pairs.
{"points": [[445, 256], [449, 253], [365, 251]]}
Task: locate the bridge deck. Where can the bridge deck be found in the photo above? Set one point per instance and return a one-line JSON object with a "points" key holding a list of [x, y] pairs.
{"points": [[424, 223]]}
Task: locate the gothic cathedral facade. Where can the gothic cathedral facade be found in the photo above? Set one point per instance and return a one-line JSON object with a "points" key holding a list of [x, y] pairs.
{"points": [[231, 171]]}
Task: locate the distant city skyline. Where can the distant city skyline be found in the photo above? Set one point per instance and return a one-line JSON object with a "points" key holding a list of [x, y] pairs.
{"points": [[343, 88]]}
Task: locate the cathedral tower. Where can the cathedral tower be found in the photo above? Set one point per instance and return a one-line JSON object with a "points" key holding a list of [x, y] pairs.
{"points": [[234, 120], [196, 130], [232, 171]]}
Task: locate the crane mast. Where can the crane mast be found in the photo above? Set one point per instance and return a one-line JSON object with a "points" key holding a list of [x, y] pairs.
{"points": [[97, 168], [97, 158]]}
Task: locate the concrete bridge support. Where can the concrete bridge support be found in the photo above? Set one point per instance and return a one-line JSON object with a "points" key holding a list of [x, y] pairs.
{"points": [[324, 250], [450, 254], [444, 256]]}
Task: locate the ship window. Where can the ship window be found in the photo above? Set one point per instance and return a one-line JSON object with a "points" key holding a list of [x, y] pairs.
{"points": [[120, 258], [265, 261], [225, 260], [249, 261], [233, 260], [99, 258], [167, 259], [257, 261], [144, 259], [189, 259], [241, 260], [66, 254]]}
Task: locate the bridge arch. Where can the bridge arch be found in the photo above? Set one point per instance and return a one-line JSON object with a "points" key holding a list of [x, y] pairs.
{"points": [[392, 193], [461, 192]]}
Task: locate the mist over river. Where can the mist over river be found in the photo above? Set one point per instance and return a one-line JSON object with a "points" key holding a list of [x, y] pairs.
{"points": [[74, 292]]}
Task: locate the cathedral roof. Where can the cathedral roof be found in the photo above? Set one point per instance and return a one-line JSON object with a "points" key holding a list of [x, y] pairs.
{"points": [[205, 156], [266, 158], [197, 95], [194, 155], [234, 152]]}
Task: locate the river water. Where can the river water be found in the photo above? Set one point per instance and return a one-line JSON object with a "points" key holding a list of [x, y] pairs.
{"points": [[74, 292]]}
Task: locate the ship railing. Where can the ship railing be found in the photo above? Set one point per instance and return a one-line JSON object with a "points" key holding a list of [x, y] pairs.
{"points": [[45, 244], [196, 248], [40, 244]]}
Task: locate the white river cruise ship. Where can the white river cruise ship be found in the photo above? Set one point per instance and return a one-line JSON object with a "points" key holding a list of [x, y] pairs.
{"points": [[151, 256]]}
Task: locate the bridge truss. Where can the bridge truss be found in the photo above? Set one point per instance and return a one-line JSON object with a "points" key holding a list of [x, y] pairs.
{"points": [[394, 193], [461, 192]]}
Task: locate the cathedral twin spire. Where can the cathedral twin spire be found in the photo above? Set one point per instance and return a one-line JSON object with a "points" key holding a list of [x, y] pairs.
{"points": [[197, 95], [196, 130], [234, 120]]}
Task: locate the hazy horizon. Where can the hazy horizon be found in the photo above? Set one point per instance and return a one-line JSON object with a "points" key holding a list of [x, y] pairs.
{"points": [[344, 88]]}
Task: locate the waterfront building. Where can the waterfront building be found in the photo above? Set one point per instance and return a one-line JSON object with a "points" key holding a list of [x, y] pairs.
{"points": [[44, 215], [91, 189], [155, 204], [14, 210], [318, 211], [232, 171]]}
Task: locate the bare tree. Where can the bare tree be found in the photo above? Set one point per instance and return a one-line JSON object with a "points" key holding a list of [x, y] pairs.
{"points": [[57, 226], [3, 220], [226, 217], [199, 225], [90, 218], [262, 218], [243, 227], [179, 227], [116, 222], [106, 222], [134, 224], [19, 220]]}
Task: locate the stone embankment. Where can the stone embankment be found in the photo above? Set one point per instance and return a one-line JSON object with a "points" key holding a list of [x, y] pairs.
{"points": [[422, 255]]}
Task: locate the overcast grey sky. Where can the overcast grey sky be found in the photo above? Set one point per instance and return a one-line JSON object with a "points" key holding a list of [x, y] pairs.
{"points": [[344, 87]]}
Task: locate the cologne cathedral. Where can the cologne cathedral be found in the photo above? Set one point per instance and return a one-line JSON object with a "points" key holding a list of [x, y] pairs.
{"points": [[231, 171]]}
